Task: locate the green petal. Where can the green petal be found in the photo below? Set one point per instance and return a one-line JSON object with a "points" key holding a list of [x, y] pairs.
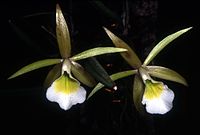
{"points": [[35, 65], [138, 91], [162, 44], [82, 75], [130, 56], [167, 74], [53, 74], [96, 51], [62, 34], [114, 77]]}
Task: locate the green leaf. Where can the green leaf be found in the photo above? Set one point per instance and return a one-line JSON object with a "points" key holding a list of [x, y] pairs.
{"points": [[96, 51], [53, 74], [130, 56], [138, 91], [114, 77], [167, 74], [162, 44], [62, 34], [98, 72], [82, 75], [35, 65]]}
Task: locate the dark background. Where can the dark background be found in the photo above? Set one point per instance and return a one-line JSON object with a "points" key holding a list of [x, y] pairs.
{"points": [[24, 108]]}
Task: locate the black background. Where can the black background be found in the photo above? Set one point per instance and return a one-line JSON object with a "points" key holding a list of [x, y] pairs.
{"points": [[24, 108]]}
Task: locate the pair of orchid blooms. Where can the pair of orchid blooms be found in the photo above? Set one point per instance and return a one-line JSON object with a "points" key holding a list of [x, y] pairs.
{"points": [[63, 81]]}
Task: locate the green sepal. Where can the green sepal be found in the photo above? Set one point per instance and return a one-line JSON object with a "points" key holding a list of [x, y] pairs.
{"points": [[122, 74], [62, 33], [167, 74], [96, 51], [130, 56], [82, 75], [35, 65], [162, 44]]}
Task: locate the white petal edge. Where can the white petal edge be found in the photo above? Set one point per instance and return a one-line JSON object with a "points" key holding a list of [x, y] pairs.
{"points": [[160, 105], [66, 101]]}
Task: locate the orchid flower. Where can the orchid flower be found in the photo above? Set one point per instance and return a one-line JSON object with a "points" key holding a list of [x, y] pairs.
{"points": [[155, 95], [62, 82], [66, 90]]}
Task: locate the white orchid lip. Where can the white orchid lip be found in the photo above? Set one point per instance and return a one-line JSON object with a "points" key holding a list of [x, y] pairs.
{"points": [[157, 97], [66, 91]]}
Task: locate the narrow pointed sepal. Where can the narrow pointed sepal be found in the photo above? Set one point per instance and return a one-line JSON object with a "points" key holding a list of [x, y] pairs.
{"points": [[35, 65], [62, 33], [166, 73], [162, 44], [66, 92], [130, 56]]}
